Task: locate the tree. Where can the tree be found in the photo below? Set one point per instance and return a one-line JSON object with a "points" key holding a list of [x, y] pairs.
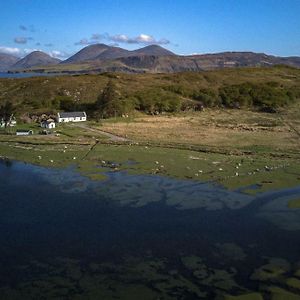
{"points": [[7, 111], [108, 103]]}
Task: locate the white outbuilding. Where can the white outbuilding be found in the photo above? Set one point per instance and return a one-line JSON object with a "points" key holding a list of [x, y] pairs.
{"points": [[77, 116], [48, 124], [24, 132]]}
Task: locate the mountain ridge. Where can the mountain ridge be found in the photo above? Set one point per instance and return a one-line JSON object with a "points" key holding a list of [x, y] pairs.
{"points": [[105, 52], [149, 59]]}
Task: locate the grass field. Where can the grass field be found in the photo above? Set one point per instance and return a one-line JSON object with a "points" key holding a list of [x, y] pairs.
{"points": [[236, 148], [217, 129]]}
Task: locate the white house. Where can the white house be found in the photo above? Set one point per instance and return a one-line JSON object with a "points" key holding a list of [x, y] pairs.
{"points": [[77, 116], [48, 124]]}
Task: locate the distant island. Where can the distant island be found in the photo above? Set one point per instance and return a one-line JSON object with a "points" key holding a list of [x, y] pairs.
{"points": [[99, 58]]}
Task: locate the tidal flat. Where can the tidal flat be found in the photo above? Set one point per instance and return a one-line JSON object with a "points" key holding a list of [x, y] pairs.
{"points": [[250, 173], [134, 235]]}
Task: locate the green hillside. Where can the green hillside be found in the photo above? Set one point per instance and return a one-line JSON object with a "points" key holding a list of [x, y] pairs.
{"points": [[258, 87]]}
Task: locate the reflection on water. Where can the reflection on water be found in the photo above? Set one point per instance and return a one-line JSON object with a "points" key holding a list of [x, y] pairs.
{"points": [[63, 236]]}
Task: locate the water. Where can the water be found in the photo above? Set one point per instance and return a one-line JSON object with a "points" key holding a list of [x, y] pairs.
{"points": [[63, 236], [26, 75]]}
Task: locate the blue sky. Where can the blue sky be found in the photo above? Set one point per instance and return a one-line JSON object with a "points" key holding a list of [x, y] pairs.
{"points": [[62, 27]]}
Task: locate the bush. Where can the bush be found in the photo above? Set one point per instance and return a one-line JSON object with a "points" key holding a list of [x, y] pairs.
{"points": [[152, 101], [208, 97], [265, 95]]}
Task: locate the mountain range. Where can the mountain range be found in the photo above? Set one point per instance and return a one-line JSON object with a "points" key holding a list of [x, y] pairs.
{"points": [[150, 59]]}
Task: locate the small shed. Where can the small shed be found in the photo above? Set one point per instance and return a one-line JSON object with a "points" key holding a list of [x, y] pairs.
{"points": [[24, 132], [13, 123], [48, 124], [10, 123]]}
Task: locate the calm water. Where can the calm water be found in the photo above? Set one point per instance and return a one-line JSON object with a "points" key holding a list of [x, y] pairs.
{"points": [[63, 236], [25, 75]]}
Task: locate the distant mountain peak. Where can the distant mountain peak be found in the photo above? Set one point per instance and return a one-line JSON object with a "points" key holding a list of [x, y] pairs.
{"points": [[87, 53], [153, 46], [37, 53], [7, 61], [35, 59], [154, 50]]}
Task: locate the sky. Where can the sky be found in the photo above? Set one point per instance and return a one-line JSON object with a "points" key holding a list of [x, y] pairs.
{"points": [[63, 27]]}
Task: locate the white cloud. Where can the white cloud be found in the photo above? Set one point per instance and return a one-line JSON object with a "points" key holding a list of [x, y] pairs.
{"points": [[17, 51], [119, 38], [98, 36], [23, 52], [9, 50], [84, 42], [22, 40], [27, 28], [29, 50], [140, 39], [59, 54], [144, 39]]}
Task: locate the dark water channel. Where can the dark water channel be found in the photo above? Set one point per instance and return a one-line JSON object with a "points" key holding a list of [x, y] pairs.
{"points": [[63, 236]]}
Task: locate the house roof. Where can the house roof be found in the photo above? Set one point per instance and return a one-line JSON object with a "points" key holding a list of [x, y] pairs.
{"points": [[74, 114], [24, 130]]}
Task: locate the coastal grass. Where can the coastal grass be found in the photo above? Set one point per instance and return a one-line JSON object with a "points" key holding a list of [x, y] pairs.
{"points": [[294, 203], [255, 174], [239, 149]]}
